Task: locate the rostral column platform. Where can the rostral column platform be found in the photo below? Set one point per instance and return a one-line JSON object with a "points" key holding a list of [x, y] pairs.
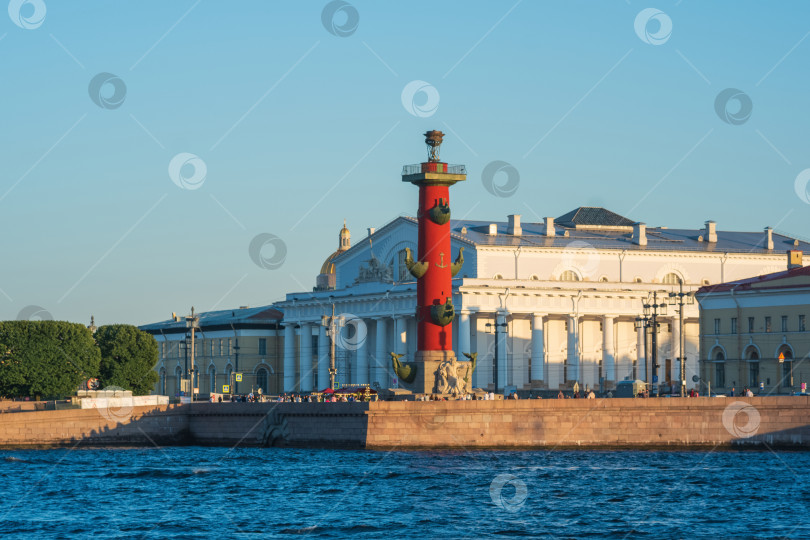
{"points": [[435, 368]]}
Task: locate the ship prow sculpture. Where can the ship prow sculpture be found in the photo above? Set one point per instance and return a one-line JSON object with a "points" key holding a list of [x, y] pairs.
{"points": [[434, 368]]}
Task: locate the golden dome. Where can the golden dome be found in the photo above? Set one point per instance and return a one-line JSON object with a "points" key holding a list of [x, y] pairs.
{"points": [[344, 243]]}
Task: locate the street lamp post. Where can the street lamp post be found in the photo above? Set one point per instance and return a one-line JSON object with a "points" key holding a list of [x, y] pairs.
{"points": [[192, 322], [652, 309], [496, 329], [333, 325], [677, 298]]}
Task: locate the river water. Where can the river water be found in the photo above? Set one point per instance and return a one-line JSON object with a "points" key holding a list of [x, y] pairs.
{"points": [[194, 492]]}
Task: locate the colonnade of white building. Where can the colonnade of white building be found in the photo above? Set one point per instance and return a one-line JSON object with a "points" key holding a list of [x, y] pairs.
{"points": [[534, 349]]}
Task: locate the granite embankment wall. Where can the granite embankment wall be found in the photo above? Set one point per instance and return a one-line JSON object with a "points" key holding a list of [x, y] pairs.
{"points": [[161, 424], [608, 423], [601, 423]]}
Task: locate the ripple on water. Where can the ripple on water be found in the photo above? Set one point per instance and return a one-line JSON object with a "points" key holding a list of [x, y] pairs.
{"points": [[200, 492]]}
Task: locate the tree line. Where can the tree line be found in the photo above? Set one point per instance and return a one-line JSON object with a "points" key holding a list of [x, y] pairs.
{"points": [[52, 359]]}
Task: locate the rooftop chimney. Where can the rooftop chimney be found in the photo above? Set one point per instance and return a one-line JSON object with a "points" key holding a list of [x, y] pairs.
{"points": [[769, 235], [549, 223], [794, 259], [514, 227], [711, 231], [640, 234], [493, 229]]}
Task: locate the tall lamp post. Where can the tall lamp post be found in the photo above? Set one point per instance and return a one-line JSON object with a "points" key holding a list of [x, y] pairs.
{"points": [[677, 298], [333, 325], [192, 322], [496, 329], [652, 309]]}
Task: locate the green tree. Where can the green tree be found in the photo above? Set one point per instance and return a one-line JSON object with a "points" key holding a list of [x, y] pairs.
{"points": [[128, 358], [49, 359]]}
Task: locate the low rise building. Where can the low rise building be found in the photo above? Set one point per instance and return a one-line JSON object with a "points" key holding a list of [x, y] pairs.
{"points": [[753, 332], [244, 340]]}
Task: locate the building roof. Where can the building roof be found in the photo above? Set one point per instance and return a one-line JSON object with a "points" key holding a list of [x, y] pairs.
{"points": [[602, 229], [786, 279], [658, 239], [591, 215], [244, 317]]}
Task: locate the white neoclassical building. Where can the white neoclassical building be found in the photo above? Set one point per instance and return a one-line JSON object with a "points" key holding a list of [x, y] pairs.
{"points": [[567, 292]]}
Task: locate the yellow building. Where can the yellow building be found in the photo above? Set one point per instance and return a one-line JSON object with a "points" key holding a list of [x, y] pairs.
{"points": [[244, 341], [753, 332]]}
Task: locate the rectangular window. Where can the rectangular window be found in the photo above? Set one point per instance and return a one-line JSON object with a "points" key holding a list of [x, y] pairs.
{"points": [[767, 324], [262, 346], [734, 325], [717, 326], [801, 323], [230, 347], [210, 347], [784, 323], [750, 325]]}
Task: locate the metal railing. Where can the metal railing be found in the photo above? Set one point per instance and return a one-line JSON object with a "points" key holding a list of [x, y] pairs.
{"points": [[417, 168]]}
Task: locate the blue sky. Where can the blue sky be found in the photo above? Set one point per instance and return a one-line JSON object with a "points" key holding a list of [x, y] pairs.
{"points": [[299, 128]]}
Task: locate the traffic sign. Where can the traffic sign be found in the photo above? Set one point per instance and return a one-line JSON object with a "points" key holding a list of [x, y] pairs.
{"points": [[226, 389], [655, 378], [238, 377]]}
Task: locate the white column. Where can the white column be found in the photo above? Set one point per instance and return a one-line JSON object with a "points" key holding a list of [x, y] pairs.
{"points": [[503, 360], [608, 352], [289, 357], [573, 352], [400, 335], [538, 348], [676, 349], [323, 358], [463, 334], [361, 376], [641, 361], [381, 355], [305, 357]]}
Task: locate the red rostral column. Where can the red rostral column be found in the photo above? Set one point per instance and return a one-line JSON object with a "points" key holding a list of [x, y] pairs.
{"points": [[435, 266]]}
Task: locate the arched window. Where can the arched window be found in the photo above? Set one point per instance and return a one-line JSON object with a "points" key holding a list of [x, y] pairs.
{"points": [[402, 270], [261, 379], [672, 279], [497, 276], [638, 280], [535, 277], [162, 384], [785, 358], [228, 377], [719, 369], [212, 377], [603, 279], [178, 375], [569, 275]]}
